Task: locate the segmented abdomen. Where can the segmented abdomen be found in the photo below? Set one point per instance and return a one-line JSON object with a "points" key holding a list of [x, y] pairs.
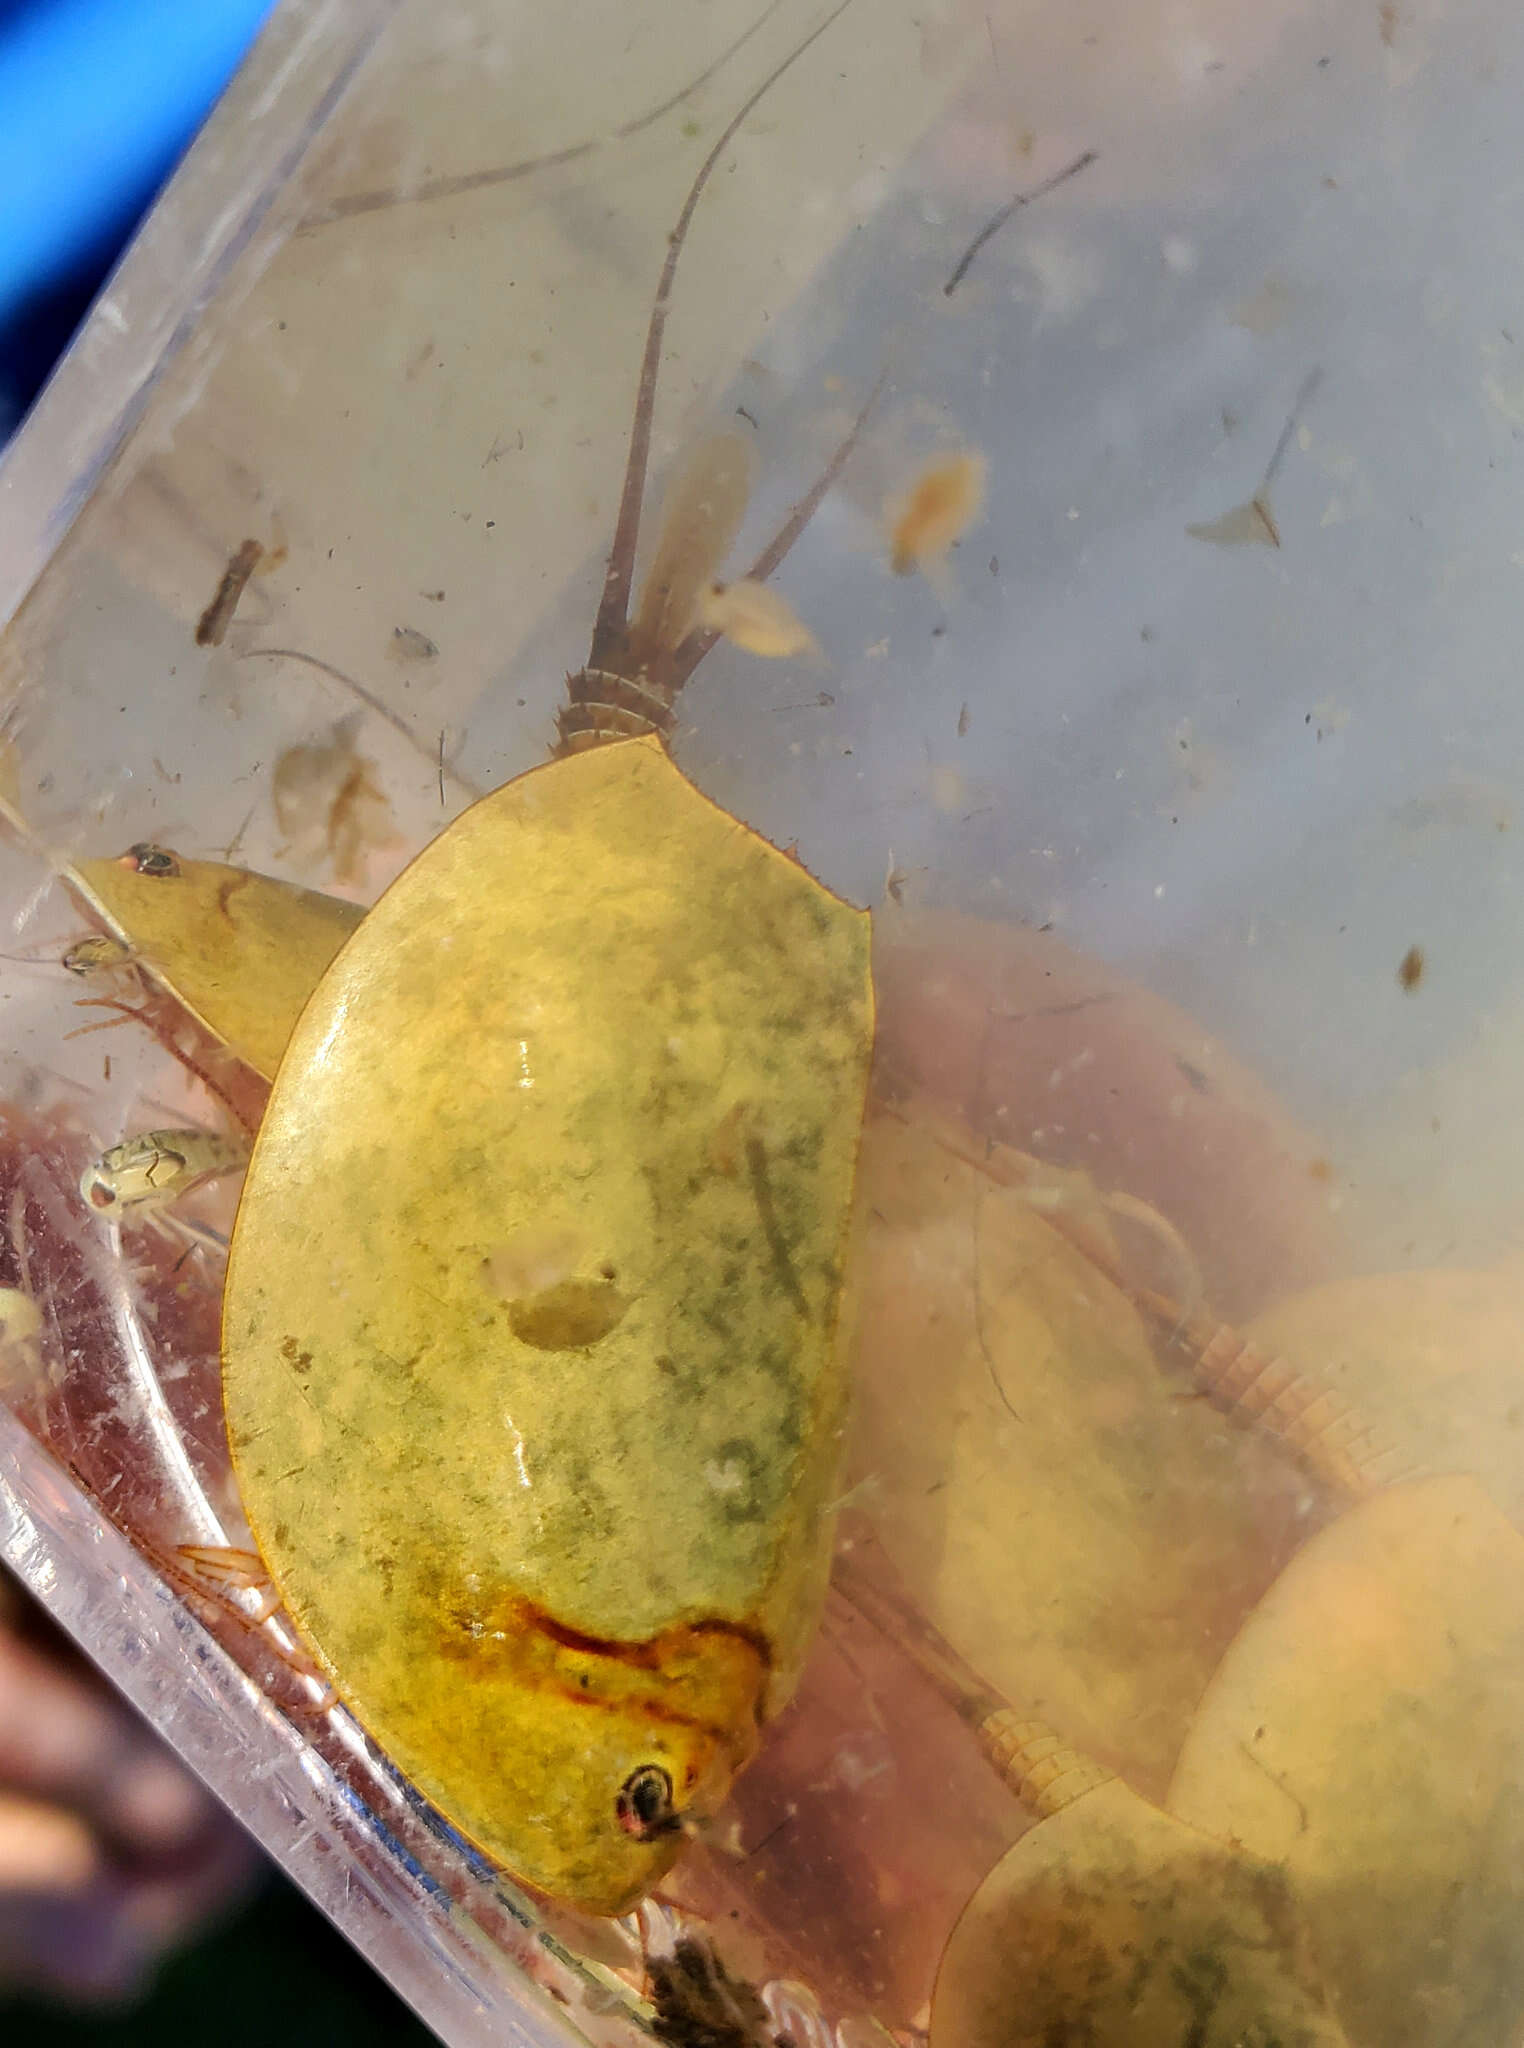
{"points": [[602, 706], [1037, 1765]]}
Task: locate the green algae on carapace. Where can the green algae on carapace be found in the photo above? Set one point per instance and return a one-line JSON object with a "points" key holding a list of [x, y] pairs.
{"points": [[549, 1491], [533, 1344]]}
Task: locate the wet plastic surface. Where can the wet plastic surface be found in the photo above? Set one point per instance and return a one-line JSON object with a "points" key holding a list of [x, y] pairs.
{"points": [[1184, 794]]}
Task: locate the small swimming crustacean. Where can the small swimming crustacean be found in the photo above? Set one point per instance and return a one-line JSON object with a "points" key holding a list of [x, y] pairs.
{"points": [[141, 1178], [96, 955]]}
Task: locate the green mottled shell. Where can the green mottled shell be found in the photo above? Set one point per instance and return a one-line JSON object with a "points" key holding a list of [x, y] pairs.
{"points": [[533, 1358], [1365, 1731]]}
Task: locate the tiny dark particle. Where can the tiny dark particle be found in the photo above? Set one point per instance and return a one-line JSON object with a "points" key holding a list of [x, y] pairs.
{"points": [[1410, 972]]}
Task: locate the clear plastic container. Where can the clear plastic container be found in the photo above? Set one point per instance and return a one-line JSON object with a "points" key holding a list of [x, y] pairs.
{"points": [[1180, 783]]}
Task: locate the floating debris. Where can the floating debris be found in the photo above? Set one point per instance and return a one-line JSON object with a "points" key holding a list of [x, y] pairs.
{"points": [[212, 626], [1253, 523], [993, 226], [328, 804], [937, 510]]}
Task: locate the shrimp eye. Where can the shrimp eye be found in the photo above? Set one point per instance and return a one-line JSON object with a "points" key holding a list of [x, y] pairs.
{"points": [[645, 1803], [147, 859]]}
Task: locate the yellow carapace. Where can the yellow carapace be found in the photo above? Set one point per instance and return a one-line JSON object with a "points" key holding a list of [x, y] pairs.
{"points": [[533, 1331], [241, 951]]}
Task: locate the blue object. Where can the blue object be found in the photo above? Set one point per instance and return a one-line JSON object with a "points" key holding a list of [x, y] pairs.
{"points": [[98, 101]]}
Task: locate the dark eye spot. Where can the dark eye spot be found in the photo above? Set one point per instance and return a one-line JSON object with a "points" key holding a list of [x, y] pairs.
{"points": [[147, 859], [645, 1803]]}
